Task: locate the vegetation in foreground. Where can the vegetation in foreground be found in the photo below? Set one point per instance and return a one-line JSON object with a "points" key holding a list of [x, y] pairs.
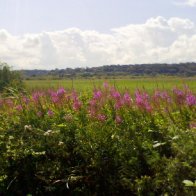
{"points": [[102, 143]]}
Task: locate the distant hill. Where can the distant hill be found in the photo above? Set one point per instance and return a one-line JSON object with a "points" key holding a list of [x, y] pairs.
{"points": [[181, 69]]}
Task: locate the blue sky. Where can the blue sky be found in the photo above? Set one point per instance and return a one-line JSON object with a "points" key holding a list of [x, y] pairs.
{"points": [[26, 16], [71, 33]]}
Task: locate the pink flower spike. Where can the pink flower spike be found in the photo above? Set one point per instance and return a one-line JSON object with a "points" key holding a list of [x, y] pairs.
{"points": [[36, 96], [118, 119], [50, 113], [119, 104], [97, 94], [190, 100], [101, 117], [55, 98], [115, 94], [127, 98], [60, 91], [77, 105]]}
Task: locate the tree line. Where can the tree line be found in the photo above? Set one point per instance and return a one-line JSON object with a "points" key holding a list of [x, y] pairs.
{"points": [[181, 69]]}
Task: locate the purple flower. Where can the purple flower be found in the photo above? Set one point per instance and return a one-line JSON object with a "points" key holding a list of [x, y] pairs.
{"points": [[178, 92], [101, 117], [190, 100], [50, 113], [127, 98], [142, 101], [97, 94], [119, 104], [118, 119], [77, 105], [179, 96], [158, 95], [115, 94], [55, 98], [92, 102], [36, 96], [60, 91]]}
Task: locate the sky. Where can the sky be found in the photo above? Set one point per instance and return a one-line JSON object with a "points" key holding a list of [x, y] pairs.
{"points": [[49, 34]]}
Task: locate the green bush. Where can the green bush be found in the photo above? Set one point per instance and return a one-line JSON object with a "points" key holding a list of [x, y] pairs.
{"points": [[9, 78], [51, 143]]}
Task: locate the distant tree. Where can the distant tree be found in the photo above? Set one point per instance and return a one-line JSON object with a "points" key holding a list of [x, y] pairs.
{"points": [[9, 78]]}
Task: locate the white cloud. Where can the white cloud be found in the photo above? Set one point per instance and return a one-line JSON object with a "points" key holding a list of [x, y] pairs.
{"points": [[157, 40], [191, 3]]}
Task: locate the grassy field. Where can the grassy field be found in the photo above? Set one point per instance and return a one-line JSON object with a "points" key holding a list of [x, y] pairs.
{"points": [[131, 84]]}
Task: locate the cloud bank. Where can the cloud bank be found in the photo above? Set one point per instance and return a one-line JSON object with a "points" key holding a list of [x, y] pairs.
{"points": [[157, 40]]}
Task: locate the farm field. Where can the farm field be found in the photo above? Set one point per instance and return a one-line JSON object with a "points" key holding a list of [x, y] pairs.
{"points": [[131, 84]]}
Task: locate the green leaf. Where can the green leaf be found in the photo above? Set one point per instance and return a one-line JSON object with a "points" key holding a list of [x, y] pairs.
{"points": [[158, 144], [188, 183]]}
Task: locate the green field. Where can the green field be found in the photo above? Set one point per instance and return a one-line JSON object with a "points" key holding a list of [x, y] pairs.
{"points": [[131, 84]]}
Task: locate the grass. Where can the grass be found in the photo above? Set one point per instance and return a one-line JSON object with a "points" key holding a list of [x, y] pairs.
{"points": [[130, 84]]}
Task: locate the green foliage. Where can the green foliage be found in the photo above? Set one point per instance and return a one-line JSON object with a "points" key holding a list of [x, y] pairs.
{"points": [[49, 147], [9, 78], [110, 71]]}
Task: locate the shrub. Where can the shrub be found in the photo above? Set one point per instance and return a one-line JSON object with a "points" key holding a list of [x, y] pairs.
{"points": [[9, 78]]}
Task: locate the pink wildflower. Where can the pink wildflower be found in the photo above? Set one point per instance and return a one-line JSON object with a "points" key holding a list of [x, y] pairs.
{"points": [[118, 119], [142, 101], [55, 98], [97, 94], [77, 105], [50, 113], [115, 94], [119, 104], [36, 96], [101, 117], [60, 91], [19, 107], [127, 98], [179, 95], [190, 100], [92, 102]]}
